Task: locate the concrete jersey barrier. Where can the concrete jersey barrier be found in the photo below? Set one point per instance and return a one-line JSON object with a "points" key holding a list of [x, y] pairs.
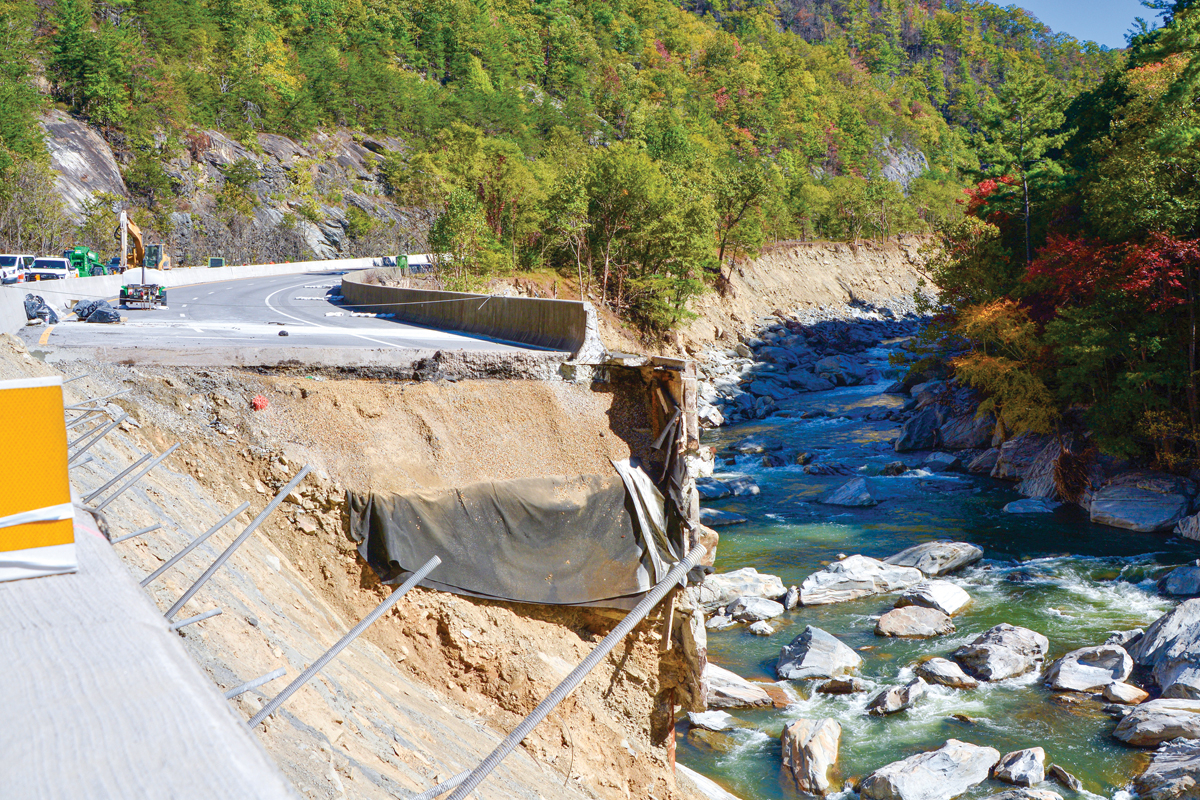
{"points": [[565, 325], [61, 294]]}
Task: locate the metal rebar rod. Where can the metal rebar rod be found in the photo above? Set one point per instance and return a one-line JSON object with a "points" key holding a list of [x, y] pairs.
{"points": [[104, 432], [560, 692], [83, 418], [85, 460], [254, 684], [86, 434], [136, 477], [147, 529], [121, 475], [77, 377], [242, 537], [329, 654], [173, 560], [86, 403], [443, 787], [183, 623]]}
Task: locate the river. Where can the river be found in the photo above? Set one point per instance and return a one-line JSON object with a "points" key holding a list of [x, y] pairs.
{"points": [[1055, 573]]}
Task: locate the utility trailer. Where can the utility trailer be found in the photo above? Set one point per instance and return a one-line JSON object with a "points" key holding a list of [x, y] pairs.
{"points": [[143, 295]]}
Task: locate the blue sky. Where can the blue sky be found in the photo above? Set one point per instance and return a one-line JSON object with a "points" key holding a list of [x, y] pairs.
{"points": [[1102, 21]]}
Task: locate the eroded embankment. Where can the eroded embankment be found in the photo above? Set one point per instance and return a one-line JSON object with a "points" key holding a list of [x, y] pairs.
{"points": [[430, 688]]}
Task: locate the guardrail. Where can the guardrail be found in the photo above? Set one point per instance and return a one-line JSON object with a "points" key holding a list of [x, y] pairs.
{"points": [[564, 325]]}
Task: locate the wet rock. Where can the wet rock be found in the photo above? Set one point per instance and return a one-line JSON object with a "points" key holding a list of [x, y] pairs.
{"points": [[936, 775], [804, 459], [1022, 767], [893, 469], [914, 622], [937, 558], [1170, 651], [816, 654], [711, 720], [845, 685], [1125, 694], [829, 469], [1174, 772], [944, 672], [803, 380], [719, 622], [944, 596], [750, 608], [1189, 527], [715, 519], [761, 629], [707, 741], [1089, 669], [1004, 651], [1026, 794], [770, 461], [1158, 721], [1065, 778], [942, 462], [1182, 581], [712, 489], [919, 433], [1018, 454], [1126, 639], [1142, 501], [984, 463], [854, 577], [755, 445], [741, 486], [722, 588], [1032, 505], [897, 698], [726, 689], [853, 493], [967, 432], [792, 598], [841, 370], [810, 752]]}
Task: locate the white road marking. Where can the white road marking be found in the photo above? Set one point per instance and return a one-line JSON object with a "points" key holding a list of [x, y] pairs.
{"points": [[267, 301]]}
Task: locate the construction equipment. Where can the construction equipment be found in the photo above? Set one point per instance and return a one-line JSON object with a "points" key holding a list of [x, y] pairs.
{"points": [[141, 295], [85, 261]]}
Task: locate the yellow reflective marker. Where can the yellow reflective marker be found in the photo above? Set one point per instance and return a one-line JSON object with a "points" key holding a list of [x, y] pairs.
{"points": [[37, 529]]}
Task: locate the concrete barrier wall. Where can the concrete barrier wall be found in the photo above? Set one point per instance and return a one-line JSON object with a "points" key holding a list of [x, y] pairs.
{"points": [[564, 325], [62, 294]]}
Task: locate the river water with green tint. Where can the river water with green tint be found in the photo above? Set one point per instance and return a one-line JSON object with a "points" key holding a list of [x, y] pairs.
{"points": [[1055, 573]]}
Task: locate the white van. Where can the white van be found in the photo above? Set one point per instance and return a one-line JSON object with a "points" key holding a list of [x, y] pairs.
{"points": [[48, 269], [12, 267]]}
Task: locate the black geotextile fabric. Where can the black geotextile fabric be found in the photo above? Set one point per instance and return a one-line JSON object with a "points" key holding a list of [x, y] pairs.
{"points": [[556, 540]]}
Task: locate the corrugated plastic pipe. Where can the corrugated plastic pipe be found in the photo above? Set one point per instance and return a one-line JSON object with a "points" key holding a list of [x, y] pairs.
{"points": [[615, 637]]}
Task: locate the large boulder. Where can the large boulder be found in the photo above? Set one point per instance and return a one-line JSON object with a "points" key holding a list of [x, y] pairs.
{"points": [[1189, 527], [936, 775], [920, 432], [914, 622], [1018, 454], [803, 380], [1090, 669], [937, 558], [722, 588], [853, 493], [810, 753], [841, 370], [897, 698], [1032, 505], [1170, 651], [1037, 480], [967, 432], [854, 577], [816, 654], [1142, 501], [1174, 772], [726, 689], [750, 608], [1004, 651], [944, 596], [1022, 767], [984, 463], [1125, 694], [942, 462], [944, 672], [1182, 581], [1158, 721]]}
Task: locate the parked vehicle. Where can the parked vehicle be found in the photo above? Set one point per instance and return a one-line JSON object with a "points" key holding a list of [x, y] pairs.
{"points": [[49, 268], [115, 267], [13, 266], [85, 261]]}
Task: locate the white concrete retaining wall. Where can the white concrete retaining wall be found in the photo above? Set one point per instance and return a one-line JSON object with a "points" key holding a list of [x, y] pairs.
{"points": [[62, 294]]}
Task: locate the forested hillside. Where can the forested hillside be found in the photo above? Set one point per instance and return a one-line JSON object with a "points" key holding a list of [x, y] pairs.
{"points": [[636, 146], [1075, 276]]}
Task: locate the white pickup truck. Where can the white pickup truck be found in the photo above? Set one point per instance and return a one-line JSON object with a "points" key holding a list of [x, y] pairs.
{"points": [[13, 266], [48, 269]]}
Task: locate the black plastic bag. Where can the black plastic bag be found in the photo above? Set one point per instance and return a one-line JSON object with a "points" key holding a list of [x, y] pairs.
{"points": [[86, 307], [104, 313], [36, 308]]}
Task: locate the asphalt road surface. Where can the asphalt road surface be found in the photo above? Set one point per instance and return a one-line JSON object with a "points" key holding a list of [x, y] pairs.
{"points": [[253, 312]]}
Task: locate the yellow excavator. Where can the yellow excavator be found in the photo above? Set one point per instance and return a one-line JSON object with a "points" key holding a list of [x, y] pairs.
{"points": [[141, 295]]}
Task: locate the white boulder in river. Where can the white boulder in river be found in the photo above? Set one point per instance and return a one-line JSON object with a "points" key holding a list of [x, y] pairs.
{"points": [[854, 577], [1170, 650], [1090, 669], [816, 654], [852, 493], [937, 558], [1174, 772], [939, 774], [754, 609], [726, 689], [721, 589], [1004, 651], [1160, 721], [945, 596], [914, 622], [810, 752], [945, 673], [1022, 767], [897, 698]]}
